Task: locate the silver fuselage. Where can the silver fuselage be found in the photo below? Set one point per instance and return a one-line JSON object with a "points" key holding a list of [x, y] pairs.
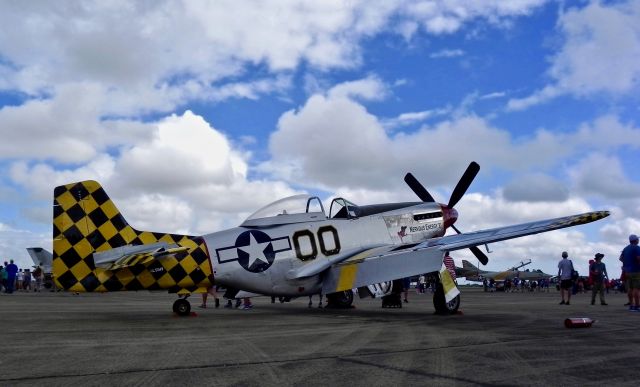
{"points": [[293, 245]]}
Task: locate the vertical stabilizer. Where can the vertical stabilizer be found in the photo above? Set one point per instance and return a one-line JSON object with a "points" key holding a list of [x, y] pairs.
{"points": [[85, 221]]}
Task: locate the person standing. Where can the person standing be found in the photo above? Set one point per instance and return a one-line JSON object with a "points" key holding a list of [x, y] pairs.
{"points": [[630, 258], [3, 277], [37, 275], [12, 271], [598, 273], [213, 291], [565, 269]]}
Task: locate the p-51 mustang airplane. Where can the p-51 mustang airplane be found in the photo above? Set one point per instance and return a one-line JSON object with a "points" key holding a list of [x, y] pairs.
{"points": [[474, 273], [288, 248]]}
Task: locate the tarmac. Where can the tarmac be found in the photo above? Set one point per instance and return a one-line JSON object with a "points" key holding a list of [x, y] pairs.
{"points": [[133, 338]]}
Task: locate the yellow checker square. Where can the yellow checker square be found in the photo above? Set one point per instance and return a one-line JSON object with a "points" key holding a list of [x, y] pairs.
{"points": [[186, 282], [124, 276], [83, 248], [78, 287], [128, 234], [61, 245], [102, 275], [168, 262], [187, 242], [109, 209], [147, 238], [80, 270], [166, 281], [167, 238], [146, 279], [66, 200], [188, 264], [59, 266], [88, 205], [103, 247], [63, 222]]}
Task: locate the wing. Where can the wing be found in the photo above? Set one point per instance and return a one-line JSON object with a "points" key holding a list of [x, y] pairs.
{"points": [[392, 262]]}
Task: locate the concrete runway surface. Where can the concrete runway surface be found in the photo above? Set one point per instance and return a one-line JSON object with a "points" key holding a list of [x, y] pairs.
{"points": [[132, 338]]}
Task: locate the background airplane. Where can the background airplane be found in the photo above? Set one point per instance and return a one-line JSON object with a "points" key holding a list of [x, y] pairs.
{"points": [[291, 247], [474, 273]]}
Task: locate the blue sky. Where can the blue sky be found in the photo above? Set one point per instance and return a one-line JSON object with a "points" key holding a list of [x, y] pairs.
{"points": [[194, 114]]}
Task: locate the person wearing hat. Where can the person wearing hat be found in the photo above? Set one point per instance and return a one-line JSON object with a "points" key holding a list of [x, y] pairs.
{"points": [[598, 272], [630, 258]]}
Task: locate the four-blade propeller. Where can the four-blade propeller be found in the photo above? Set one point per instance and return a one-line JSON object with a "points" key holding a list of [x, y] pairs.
{"points": [[457, 194]]}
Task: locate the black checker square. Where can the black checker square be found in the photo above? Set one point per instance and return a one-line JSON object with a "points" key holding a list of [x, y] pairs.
{"points": [[57, 209], [137, 241], [197, 276], [100, 196], [118, 222], [75, 213], [137, 269], [117, 241], [90, 282], [113, 284], [134, 285], [73, 235], [70, 258], [67, 280], [156, 269], [199, 256], [56, 231], [79, 191], [59, 190], [96, 239], [177, 273], [98, 217]]}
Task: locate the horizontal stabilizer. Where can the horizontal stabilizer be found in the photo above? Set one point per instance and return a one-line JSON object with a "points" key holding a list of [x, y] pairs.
{"points": [[127, 256]]}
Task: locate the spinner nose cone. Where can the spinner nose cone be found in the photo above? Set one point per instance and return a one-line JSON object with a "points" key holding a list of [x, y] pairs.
{"points": [[450, 215]]}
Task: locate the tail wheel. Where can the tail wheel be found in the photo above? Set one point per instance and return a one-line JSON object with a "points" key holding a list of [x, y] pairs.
{"points": [[181, 307], [440, 303], [340, 299]]}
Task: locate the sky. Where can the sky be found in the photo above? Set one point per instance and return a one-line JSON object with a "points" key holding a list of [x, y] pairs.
{"points": [[194, 114]]}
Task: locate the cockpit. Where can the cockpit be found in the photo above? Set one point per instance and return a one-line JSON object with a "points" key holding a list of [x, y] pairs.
{"points": [[292, 209], [307, 208]]}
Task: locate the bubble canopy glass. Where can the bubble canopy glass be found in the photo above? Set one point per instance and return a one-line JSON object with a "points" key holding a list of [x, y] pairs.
{"points": [[292, 209]]}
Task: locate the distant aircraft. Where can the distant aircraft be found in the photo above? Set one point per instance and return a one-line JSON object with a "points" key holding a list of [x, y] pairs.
{"points": [[43, 258], [473, 273], [288, 248]]}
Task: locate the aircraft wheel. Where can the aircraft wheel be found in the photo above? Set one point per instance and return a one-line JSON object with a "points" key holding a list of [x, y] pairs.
{"points": [[181, 307], [340, 299], [440, 303]]}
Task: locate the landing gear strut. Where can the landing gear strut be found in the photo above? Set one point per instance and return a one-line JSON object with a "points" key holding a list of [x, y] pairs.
{"points": [[181, 306]]}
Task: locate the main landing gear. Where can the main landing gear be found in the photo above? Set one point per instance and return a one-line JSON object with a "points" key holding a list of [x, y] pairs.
{"points": [[181, 306], [340, 300], [440, 303]]}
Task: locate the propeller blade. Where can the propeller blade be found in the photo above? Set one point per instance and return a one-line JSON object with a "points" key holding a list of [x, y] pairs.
{"points": [[463, 184], [479, 254], [482, 257], [415, 185]]}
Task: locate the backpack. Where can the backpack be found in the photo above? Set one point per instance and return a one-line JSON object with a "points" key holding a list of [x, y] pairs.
{"points": [[574, 273]]}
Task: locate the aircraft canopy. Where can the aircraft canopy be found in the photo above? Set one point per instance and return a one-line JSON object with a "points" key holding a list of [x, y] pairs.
{"points": [[292, 209]]}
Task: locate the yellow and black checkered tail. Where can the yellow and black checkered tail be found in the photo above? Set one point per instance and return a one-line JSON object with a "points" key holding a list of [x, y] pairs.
{"points": [[86, 222]]}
